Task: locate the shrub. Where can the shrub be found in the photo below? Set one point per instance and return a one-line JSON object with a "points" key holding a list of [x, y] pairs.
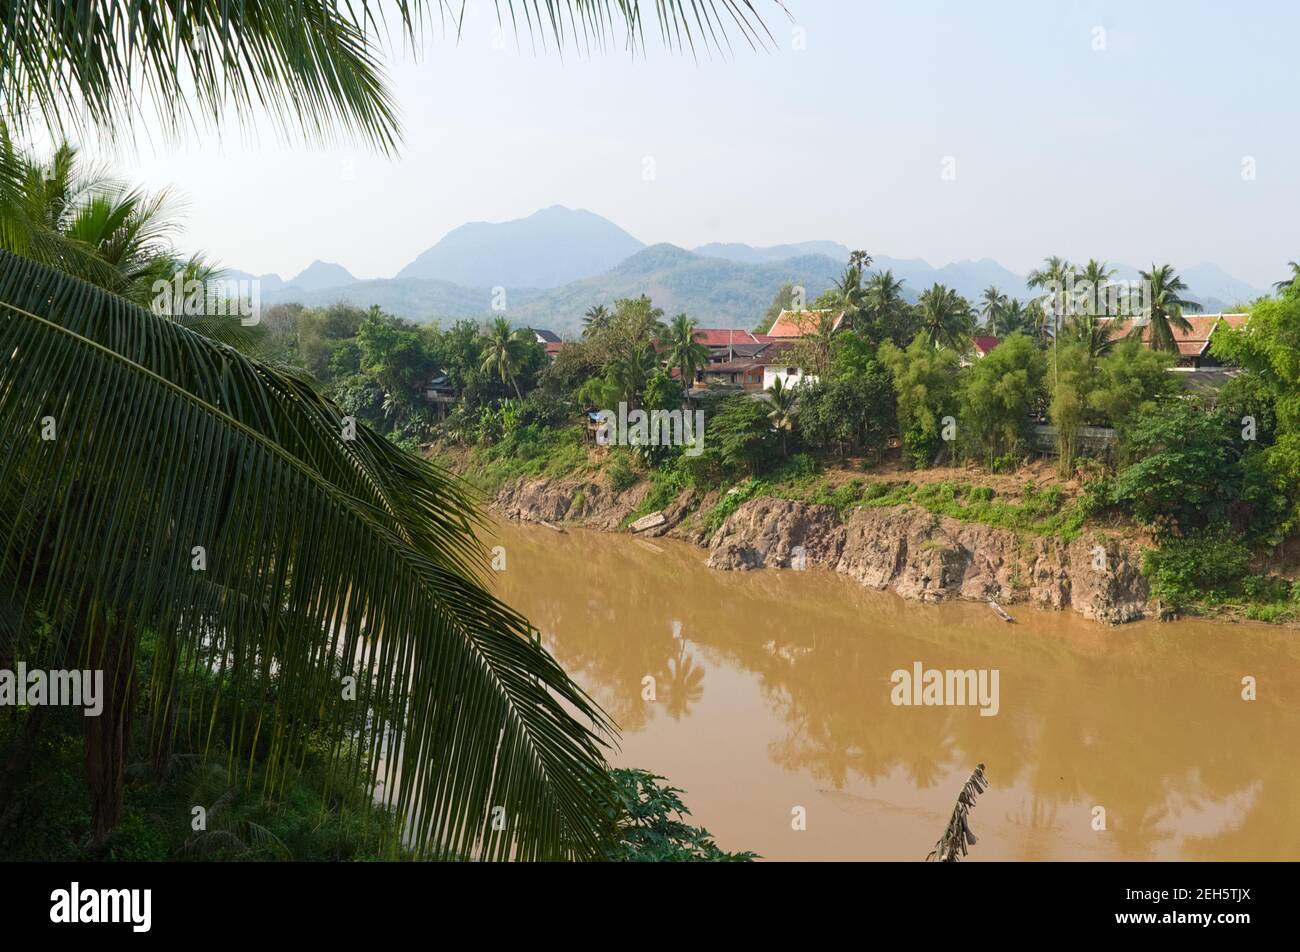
{"points": [[621, 475], [651, 825], [1183, 471], [738, 440], [732, 501], [1205, 565]]}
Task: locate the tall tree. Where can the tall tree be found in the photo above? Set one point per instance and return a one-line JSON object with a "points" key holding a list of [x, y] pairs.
{"points": [[1016, 317], [1164, 308], [503, 352], [883, 300], [1089, 324], [1051, 279], [846, 296], [946, 318], [783, 400], [596, 319], [683, 351], [1090, 285], [993, 305]]}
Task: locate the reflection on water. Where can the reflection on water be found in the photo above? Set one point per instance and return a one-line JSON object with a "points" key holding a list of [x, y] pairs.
{"points": [[772, 691]]}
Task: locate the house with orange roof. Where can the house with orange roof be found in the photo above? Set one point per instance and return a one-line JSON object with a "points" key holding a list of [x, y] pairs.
{"points": [[793, 324], [1193, 343], [723, 336], [727, 344]]}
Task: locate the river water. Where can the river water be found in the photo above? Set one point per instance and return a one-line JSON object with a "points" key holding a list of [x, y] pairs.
{"points": [[772, 700]]}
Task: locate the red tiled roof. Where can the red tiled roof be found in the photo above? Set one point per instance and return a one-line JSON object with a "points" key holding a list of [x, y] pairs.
{"points": [[722, 336], [985, 344], [1190, 343], [797, 323]]}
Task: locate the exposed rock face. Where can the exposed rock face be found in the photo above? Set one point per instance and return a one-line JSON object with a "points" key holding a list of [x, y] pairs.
{"points": [[911, 551], [931, 558], [766, 532], [593, 504], [589, 502]]}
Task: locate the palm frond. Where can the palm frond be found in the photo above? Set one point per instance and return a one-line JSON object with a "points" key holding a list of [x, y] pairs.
{"points": [[336, 557], [313, 65]]}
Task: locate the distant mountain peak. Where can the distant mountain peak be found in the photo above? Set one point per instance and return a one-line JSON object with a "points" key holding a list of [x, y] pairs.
{"points": [[322, 274], [558, 261], [552, 246]]}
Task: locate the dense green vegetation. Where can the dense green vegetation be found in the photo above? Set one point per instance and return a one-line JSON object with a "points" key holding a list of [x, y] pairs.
{"points": [[199, 507], [898, 378], [311, 815]]}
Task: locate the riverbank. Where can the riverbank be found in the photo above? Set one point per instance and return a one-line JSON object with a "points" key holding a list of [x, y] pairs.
{"points": [[906, 548], [963, 531]]}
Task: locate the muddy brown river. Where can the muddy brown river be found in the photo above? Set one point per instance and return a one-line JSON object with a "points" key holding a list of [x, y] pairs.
{"points": [[773, 700]]}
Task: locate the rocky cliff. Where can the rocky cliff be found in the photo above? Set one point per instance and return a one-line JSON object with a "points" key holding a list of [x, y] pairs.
{"points": [[927, 557], [913, 552]]}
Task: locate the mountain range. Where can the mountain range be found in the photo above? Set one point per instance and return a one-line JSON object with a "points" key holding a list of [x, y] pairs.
{"points": [[556, 263]]}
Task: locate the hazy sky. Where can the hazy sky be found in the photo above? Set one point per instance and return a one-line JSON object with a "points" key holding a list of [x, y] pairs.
{"points": [[1121, 130]]}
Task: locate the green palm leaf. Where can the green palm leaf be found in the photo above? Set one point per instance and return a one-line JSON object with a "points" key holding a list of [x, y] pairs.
{"points": [[312, 65], [320, 550]]}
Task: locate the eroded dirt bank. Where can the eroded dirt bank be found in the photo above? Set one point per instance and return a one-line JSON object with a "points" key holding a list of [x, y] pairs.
{"points": [[906, 549]]}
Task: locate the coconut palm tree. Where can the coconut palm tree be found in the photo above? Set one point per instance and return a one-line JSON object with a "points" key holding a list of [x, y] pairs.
{"points": [[993, 306], [946, 318], [630, 370], [596, 318], [883, 300], [1015, 317], [232, 513], [683, 351], [1092, 280], [784, 410], [1093, 332], [883, 294], [1051, 279], [847, 294], [1288, 283], [1165, 307], [504, 351], [1088, 324], [82, 222]]}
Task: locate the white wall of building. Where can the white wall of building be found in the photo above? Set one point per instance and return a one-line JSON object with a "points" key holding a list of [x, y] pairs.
{"points": [[772, 373]]}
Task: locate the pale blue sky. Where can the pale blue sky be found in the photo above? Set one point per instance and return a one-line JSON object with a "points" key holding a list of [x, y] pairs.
{"points": [[1132, 153]]}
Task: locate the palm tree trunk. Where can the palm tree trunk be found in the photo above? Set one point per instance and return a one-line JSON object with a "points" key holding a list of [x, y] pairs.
{"points": [[164, 687], [108, 735]]}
